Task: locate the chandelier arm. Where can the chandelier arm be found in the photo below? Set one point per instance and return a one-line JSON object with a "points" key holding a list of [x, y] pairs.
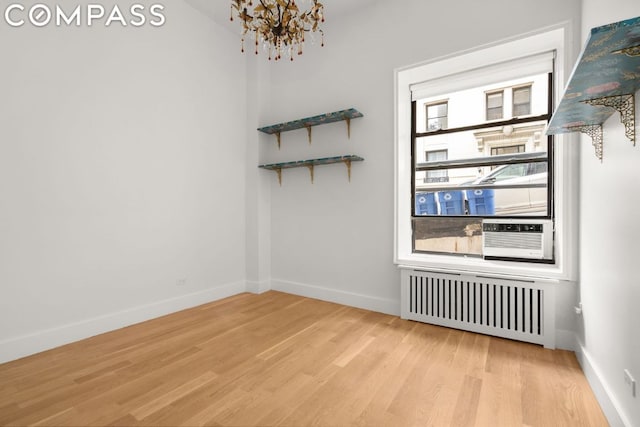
{"points": [[287, 8], [280, 12], [266, 8], [303, 20]]}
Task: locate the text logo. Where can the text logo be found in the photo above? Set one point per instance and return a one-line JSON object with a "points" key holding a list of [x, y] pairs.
{"points": [[41, 15]]}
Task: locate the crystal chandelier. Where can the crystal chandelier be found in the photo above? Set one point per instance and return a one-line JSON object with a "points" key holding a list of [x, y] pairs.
{"points": [[278, 24]]}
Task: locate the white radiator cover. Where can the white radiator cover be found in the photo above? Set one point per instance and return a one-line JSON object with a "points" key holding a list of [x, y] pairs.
{"points": [[522, 310]]}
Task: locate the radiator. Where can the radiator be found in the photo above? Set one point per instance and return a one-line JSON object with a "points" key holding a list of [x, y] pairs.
{"points": [[516, 309]]}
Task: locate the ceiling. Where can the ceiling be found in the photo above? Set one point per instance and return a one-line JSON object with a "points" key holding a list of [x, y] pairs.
{"points": [[219, 10]]}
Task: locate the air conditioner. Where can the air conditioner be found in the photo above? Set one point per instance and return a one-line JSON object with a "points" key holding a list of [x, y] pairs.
{"points": [[517, 238]]}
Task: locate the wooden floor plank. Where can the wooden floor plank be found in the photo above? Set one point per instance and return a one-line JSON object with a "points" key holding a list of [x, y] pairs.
{"points": [[278, 359], [168, 398]]}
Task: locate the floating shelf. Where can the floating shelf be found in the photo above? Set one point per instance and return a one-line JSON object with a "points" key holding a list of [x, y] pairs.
{"points": [[312, 163], [605, 79], [309, 122]]}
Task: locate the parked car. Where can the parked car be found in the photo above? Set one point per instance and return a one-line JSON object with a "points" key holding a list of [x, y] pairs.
{"points": [[530, 198]]}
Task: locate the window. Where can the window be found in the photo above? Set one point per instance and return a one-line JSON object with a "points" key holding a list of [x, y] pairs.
{"points": [[480, 184], [437, 116], [521, 101], [428, 233], [510, 149], [494, 105], [436, 175]]}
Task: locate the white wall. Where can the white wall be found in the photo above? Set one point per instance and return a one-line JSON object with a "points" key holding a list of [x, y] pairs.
{"points": [[334, 239], [122, 171], [609, 232]]}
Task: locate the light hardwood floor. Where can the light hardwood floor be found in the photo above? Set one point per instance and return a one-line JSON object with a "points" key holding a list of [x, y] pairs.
{"points": [[279, 359]]}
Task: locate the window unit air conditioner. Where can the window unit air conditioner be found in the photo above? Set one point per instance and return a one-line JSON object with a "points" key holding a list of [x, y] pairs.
{"points": [[517, 238]]}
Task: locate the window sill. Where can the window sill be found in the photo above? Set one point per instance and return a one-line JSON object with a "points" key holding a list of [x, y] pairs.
{"points": [[463, 264]]}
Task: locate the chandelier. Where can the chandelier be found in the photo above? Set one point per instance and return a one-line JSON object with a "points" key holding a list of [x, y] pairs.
{"points": [[278, 24]]}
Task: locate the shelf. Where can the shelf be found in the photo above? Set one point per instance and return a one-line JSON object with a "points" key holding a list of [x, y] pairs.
{"points": [[605, 79], [309, 122], [312, 163]]}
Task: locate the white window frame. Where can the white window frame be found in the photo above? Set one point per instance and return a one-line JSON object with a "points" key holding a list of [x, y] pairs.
{"points": [[556, 39]]}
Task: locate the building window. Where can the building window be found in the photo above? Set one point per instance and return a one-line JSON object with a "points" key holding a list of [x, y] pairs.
{"points": [[509, 149], [437, 116], [436, 175], [521, 101], [495, 105]]}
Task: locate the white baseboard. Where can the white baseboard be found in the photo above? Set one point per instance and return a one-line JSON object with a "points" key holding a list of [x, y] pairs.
{"points": [[567, 340], [16, 348], [258, 287], [608, 402], [380, 305]]}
